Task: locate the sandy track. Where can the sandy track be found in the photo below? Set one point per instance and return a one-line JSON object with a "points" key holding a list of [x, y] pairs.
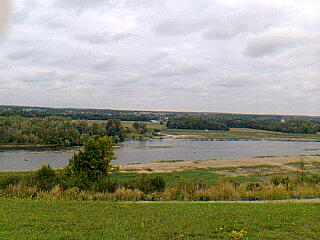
{"points": [[216, 163]]}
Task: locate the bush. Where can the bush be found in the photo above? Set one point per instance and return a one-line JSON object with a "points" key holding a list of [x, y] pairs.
{"points": [[44, 178], [148, 184], [94, 161], [170, 194], [21, 191], [277, 180], [104, 185], [253, 187], [127, 195], [223, 191], [10, 180], [275, 193], [191, 186]]}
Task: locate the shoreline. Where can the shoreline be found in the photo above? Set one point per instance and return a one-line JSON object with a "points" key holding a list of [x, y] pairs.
{"points": [[34, 147], [213, 163], [196, 138]]}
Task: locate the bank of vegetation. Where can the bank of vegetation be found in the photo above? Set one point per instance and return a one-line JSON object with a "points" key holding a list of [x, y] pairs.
{"points": [[196, 124], [90, 176], [296, 126], [182, 120], [62, 131]]}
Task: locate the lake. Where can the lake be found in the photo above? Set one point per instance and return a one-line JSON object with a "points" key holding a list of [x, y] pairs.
{"points": [[166, 149]]}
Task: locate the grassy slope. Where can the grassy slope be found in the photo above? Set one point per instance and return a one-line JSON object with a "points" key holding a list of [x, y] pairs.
{"points": [[35, 219], [240, 133]]}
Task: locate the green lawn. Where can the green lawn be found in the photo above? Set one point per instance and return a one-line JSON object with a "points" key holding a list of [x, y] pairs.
{"points": [[40, 219]]}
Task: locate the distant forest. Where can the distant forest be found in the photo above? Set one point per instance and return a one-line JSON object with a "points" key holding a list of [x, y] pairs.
{"points": [[286, 126], [55, 131], [174, 120]]}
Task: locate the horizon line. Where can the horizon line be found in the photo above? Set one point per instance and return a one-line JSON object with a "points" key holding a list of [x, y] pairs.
{"points": [[173, 111]]}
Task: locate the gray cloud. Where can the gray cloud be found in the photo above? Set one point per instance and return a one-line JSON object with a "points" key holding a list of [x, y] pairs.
{"points": [[101, 37], [23, 54], [180, 69], [274, 42], [223, 22], [5, 12], [81, 4], [178, 27], [232, 56]]}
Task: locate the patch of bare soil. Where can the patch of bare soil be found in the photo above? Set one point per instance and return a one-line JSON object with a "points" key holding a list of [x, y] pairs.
{"points": [[244, 163]]}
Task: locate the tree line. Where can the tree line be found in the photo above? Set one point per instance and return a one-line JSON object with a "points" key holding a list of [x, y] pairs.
{"points": [[196, 124], [299, 126], [55, 131]]}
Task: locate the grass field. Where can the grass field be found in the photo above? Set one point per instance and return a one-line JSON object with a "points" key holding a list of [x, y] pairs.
{"points": [[233, 134], [239, 134], [31, 219]]}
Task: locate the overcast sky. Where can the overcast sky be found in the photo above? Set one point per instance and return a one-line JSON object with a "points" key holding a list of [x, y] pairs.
{"points": [[187, 55]]}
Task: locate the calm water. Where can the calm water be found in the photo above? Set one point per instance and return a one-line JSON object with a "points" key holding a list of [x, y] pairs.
{"points": [[20, 160], [167, 149]]}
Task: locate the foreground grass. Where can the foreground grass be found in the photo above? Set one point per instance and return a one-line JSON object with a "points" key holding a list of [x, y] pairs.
{"points": [[39, 219]]}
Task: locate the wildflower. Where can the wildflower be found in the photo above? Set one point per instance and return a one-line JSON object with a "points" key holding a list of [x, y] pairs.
{"points": [[238, 235]]}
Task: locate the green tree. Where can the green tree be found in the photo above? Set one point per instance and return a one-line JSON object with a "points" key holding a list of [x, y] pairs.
{"points": [[45, 178], [94, 161], [114, 129]]}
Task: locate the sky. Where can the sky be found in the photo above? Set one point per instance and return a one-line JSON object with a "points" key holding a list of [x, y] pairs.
{"points": [[235, 56]]}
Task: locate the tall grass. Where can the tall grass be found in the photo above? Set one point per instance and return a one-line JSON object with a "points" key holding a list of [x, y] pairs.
{"points": [[220, 191], [45, 184]]}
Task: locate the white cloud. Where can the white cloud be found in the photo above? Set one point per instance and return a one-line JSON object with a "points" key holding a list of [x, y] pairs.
{"points": [[221, 55]]}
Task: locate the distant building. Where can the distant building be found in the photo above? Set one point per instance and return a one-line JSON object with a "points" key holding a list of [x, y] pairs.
{"points": [[283, 121]]}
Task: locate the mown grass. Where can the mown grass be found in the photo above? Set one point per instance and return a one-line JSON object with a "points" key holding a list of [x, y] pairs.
{"points": [[239, 134], [39, 219]]}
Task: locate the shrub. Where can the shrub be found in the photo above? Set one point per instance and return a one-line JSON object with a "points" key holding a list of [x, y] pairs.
{"points": [[148, 184], [94, 161], [306, 191], [275, 193], [191, 186], [74, 194], [57, 193], [68, 194], [21, 191], [9, 180], [223, 191], [44, 178], [127, 195], [104, 184], [173, 193], [277, 180], [253, 187], [102, 196]]}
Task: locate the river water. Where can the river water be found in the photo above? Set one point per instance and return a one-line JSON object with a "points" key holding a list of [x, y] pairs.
{"points": [[166, 149]]}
